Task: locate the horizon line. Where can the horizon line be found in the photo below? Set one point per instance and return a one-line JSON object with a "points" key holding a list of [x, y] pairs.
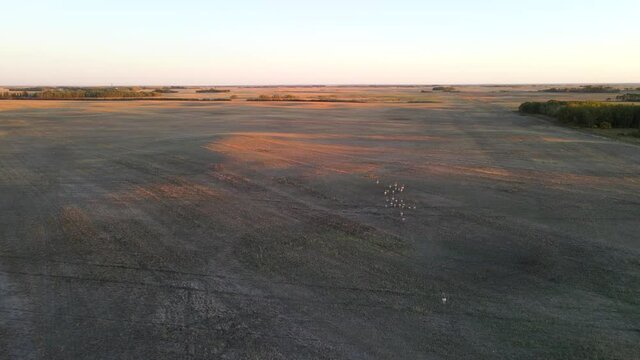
{"points": [[331, 85]]}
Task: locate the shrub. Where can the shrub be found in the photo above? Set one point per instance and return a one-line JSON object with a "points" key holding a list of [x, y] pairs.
{"points": [[165, 91], [275, 97], [605, 125], [212, 91], [550, 108], [444, 88]]}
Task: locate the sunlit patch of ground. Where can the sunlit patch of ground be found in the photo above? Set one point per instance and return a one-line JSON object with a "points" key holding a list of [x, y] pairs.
{"points": [[415, 138], [137, 105], [96, 106], [371, 104], [326, 136], [563, 140], [321, 154], [31, 104], [281, 151]]}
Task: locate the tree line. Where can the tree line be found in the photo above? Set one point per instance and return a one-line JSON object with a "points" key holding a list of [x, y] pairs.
{"points": [[628, 97], [586, 113], [589, 89], [78, 93], [212, 91], [441, 88]]}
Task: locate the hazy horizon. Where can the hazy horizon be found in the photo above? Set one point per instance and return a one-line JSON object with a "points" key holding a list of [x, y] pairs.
{"points": [[267, 43], [322, 85]]}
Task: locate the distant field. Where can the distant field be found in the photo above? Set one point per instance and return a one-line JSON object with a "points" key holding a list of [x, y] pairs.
{"points": [[372, 94], [398, 225]]}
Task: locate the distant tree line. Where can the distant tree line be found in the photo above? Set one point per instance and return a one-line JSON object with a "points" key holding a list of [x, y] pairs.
{"points": [[441, 88], [78, 93], [15, 95], [38, 88], [212, 91], [628, 97], [293, 98], [589, 89], [586, 113], [165, 91], [276, 97]]}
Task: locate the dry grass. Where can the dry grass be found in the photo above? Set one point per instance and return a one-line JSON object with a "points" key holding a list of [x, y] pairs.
{"points": [[531, 176], [281, 151], [180, 190], [76, 225]]}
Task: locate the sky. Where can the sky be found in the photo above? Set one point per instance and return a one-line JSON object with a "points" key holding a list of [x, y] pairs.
{"points": [[270, 42]]}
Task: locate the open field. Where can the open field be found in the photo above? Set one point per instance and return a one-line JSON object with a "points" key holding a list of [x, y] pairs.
{"points": [[261, 230]]}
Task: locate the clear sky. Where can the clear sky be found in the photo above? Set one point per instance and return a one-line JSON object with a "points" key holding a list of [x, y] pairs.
{"points": [[231, 42]]}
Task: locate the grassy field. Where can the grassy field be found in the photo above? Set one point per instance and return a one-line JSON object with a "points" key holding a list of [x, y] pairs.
{"points": [[410, 225]]}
